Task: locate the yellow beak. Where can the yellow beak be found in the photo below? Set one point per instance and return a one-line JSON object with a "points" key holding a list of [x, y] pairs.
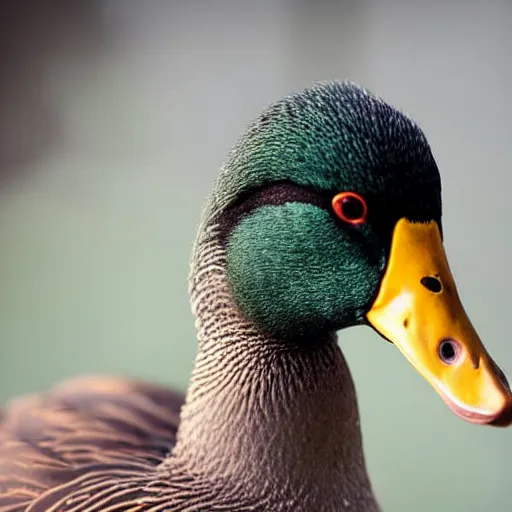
{"points": [[419, 310]]}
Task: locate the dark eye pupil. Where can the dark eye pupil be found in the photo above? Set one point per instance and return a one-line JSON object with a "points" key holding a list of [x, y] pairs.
{"points": [[352, 208]]}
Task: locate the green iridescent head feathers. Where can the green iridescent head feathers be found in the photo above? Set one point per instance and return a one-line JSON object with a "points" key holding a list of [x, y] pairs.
{"points": [[332, 136], [292, 266]]}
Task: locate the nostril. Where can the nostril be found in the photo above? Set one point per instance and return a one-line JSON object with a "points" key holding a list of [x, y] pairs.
{"points": [[432, 284], [449, 351]]}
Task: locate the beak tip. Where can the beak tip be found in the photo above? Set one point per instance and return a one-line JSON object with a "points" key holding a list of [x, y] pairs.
{"points": [[501, 418], [504, 419]]}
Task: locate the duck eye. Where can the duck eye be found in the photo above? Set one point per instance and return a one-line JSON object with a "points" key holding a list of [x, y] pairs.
{"points": [[350, 207]]}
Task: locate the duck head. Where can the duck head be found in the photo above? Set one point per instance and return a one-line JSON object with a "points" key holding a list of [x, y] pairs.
{"points": [[330, 212]]}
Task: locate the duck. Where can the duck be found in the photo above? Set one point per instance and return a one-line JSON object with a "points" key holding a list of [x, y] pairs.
{"points": [[325, 215]]}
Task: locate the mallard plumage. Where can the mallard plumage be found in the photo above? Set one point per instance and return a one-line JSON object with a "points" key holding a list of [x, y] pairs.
{"points": [[326, 214]]}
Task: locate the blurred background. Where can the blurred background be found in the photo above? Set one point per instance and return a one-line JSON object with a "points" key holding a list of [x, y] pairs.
{"points": [[115, 117]]}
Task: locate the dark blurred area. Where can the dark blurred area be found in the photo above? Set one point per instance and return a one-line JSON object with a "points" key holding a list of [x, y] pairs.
{"points": [[35, 37]]}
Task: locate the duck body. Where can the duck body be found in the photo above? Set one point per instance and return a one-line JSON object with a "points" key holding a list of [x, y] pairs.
{"points": [[102, 444], [300, 239]]}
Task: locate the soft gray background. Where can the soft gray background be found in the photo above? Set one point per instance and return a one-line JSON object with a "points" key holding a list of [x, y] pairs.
{"points": [[115, 117]]}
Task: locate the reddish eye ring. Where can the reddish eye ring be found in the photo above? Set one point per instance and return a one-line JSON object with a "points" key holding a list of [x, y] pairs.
{"points": [[350, 207]]}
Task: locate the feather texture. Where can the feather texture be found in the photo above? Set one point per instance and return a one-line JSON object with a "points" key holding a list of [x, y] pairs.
{"points": [[270, 422], [89, 444]]}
